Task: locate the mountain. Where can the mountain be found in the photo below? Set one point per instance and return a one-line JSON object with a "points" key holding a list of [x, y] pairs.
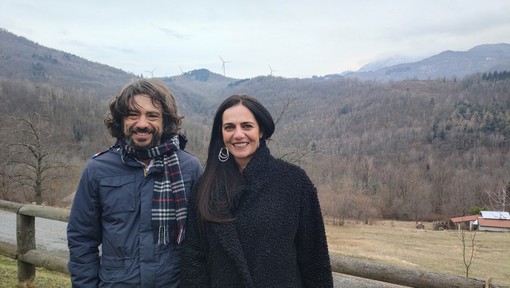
{"points": [[21, 58], [198, 90], [392, 61], [448, 64]]}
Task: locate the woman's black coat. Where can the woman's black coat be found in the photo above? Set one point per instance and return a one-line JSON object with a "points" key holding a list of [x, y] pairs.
{"points": [[276, 240]]}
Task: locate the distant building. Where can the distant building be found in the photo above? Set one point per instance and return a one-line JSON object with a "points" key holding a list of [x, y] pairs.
{"points": [[498, 221]]}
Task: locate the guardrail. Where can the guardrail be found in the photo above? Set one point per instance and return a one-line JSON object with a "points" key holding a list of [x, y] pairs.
{"points": [[28, 257]]}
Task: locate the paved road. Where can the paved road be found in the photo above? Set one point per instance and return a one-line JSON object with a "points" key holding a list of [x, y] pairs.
{"points": [[50, 235]]}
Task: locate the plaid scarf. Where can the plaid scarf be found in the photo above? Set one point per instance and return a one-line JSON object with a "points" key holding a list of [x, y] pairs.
{"points": [[169, 197]]}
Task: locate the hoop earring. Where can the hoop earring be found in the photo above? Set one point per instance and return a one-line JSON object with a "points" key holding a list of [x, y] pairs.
{"points": [[223, 156]]}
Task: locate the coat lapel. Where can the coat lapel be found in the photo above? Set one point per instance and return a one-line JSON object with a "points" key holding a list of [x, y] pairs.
{"points": [[229, 240]]}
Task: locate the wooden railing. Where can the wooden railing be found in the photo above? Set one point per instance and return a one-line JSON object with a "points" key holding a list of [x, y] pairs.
{"points": [[29, 257], [25, 251]]}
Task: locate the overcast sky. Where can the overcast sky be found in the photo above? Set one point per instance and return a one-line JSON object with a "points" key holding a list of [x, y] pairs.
{"points": [[293, 38]]}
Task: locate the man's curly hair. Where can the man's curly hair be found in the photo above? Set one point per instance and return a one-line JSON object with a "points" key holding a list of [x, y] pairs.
{"points": [[122, 103]]}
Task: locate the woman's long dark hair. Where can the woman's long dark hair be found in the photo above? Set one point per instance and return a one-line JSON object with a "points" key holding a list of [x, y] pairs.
{"points": [[219, 177]]}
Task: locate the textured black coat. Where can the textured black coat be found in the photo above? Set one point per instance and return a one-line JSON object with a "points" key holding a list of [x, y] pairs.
{"points": [[276, 240]]}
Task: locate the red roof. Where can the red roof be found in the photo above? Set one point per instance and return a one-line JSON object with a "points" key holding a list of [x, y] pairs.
{"points": [[464, 218]]}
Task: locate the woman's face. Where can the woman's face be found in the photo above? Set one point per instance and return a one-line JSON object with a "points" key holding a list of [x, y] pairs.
{"points": [[241, 134]]}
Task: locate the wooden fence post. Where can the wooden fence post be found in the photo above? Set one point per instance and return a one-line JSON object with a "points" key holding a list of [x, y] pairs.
{"points": [[25, 237]]}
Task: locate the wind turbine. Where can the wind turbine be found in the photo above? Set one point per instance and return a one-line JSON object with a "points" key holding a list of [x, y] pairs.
{"points": [[271, 70], [223, 65], [152, 72]]}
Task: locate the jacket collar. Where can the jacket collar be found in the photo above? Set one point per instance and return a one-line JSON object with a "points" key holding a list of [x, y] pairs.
{"points": [[259, 166]]}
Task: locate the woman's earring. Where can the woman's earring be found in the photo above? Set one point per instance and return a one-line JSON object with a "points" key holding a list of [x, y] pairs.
{"points": [[223, 155]]}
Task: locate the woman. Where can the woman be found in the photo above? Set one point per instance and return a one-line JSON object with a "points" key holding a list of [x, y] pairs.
{"points": [[255, 220]]}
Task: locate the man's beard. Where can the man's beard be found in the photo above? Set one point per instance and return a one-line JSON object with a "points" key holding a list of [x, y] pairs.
{"points": [[154, 140]]}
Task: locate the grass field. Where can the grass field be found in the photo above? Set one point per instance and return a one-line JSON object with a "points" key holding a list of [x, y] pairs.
{"points": [[44, 278], [392, 242], [400, 243]]}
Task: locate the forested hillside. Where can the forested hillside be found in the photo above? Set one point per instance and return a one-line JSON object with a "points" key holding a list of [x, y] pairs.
{"points": [[408, 149], [21, 58], [413, 150]]}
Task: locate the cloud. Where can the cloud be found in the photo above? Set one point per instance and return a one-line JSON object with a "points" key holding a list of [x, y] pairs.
{"points": [[297, 38], [171, 33]]}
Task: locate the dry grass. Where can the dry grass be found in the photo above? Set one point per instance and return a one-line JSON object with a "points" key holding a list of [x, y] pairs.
{"points": [[44, 278], [400, 243]]}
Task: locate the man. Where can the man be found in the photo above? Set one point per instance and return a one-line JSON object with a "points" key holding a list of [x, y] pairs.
{"points": [[131, 199]]}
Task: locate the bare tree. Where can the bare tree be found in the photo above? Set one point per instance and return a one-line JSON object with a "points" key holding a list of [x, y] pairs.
{"points": [[32, 163], [304, 145], [440, 180], [499, 199], [467, 256], [4, 183]]}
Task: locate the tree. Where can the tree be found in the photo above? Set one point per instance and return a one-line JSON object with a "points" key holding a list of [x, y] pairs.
{"points": [[499, 199], [440, 176], [31, 162], [467, 256]]}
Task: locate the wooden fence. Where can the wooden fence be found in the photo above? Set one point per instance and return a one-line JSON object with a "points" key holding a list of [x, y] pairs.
{"points": [[25, 251], [369, 272]]}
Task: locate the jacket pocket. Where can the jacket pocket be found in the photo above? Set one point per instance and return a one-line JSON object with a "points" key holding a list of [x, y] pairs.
{"points": [[119, 270], [117, 194]]}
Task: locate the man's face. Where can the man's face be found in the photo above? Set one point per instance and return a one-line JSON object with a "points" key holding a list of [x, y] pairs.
{"points": [[144, 124]]}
